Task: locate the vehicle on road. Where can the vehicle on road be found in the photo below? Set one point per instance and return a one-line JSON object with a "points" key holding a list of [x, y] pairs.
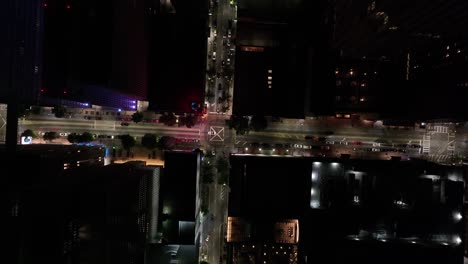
{"points": [[124, 124]]}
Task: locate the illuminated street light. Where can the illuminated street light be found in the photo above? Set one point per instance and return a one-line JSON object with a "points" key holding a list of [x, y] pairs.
{"points": [[457, 216], [314, 176], [314, 204]]}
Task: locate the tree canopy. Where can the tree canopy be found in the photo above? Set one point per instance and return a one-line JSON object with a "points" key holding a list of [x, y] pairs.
{"points": [[258, 123], [127, 141], [240, 124], [73, 138], [59, 111], [167, 142], [168, 119], [23, 110], [29, 133], [149, 141], [49, 136], [86, 137], [83, 138], [137, 117], [190, 120], [207, 173]]}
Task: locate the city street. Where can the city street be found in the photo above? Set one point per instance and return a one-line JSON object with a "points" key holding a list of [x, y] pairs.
{"points": [[110, 128], [220, 59], [3, 115]]}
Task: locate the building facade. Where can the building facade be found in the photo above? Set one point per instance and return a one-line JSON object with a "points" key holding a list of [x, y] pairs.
{"points": [[335, 211]]}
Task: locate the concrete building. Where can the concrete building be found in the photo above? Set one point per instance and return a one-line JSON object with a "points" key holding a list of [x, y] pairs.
{"points": [[335, 211], [283, 58]]}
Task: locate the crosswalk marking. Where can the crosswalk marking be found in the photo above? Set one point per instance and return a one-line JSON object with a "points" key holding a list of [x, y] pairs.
{"points": [[440, 158], [426, 144], [223, 192], [440, 129]]}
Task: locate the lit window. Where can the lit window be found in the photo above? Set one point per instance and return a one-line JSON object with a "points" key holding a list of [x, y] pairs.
{"points": [[269, 78], [269, 82], [269, 86], [270, 71]]}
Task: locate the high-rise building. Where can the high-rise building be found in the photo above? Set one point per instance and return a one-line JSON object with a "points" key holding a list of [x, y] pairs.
{"points": [[178, 33], [129, 71], [336, 211], [92, 46], [66, 207], [358, 85], [282, 58], [178, 210], [20, 64], [421, 50]]}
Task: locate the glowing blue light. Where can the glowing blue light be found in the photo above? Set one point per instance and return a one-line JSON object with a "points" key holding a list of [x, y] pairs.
{"points": [[120, 110]]}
